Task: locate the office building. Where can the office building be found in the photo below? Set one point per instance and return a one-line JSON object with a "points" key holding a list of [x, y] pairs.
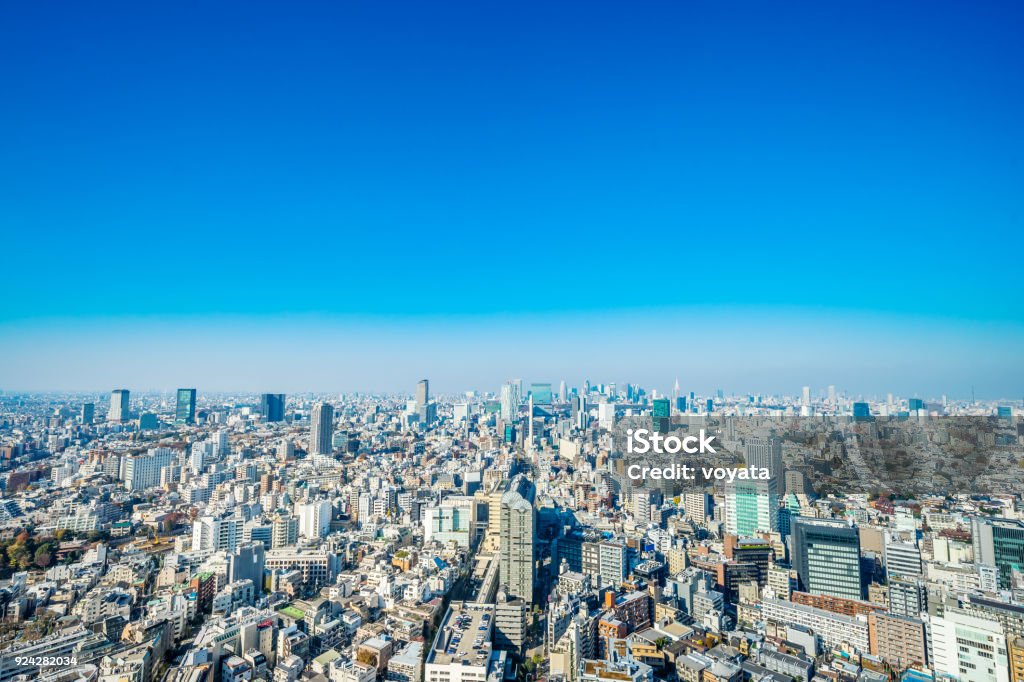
{"points": [[272, 407], [826, 556], [185, 407], [541, 393], [119, 411], [1000, 543], [861, 412], [765, 453], [426, 410], [751, 507], [967, 647], [88, 413], [509, 402], [661, 414], [321, 433]]}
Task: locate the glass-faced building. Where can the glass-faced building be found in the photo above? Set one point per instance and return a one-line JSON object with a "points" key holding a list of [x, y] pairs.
{"points": [[826, 556], [185, 408]]}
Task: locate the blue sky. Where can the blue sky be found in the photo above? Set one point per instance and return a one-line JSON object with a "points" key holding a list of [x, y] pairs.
{"points": [[367, 173]]}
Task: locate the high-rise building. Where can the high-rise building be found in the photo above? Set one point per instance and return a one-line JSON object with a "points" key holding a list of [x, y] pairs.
{"points": [[662, 414], [220, 534], [321, 430], [968, 647], [423, 405], [861, 411], [1000, 543], [826, 555], [185, 408], [766, 453], [247, 563], [907, 597], [88, 413], [578, 412], [142, 471], [284, 531], [509, 402], [517, 537], [752, 506], [613, 561], [698, 506], [119, 410], [902, 556], [314, 518], [541, 393], [272, 407], [805, 398]]}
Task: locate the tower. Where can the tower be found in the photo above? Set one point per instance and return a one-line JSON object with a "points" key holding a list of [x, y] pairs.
{"points": [[321, 430], [518, 537], [423, 402], [119, 405], [185, 407]]}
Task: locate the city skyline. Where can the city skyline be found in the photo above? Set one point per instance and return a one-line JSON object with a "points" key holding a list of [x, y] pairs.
{"points": [[759, 353], [483, 342]]}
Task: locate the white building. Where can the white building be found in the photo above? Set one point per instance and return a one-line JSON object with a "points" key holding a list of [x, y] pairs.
{"points": [[966, 647]]}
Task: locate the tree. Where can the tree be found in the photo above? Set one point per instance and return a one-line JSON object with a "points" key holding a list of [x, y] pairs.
{"points": [[43, 556], [18, 556]]}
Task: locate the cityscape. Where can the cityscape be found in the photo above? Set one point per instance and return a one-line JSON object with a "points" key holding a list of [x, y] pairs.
{"points": [[469, 341], [490, 536]]}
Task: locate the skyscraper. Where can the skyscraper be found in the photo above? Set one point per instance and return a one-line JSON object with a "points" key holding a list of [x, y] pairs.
{"points": [[662, 414], [509, 402], [751, 507], [999, 543], [541, 393], [119, 399], [272, 407], [321, 430], [577, 411], [517, 538], [826, 555], [423, 407], [766, 453], [88, 413], [185, 409]]}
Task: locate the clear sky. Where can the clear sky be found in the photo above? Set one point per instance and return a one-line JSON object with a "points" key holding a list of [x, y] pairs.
{"points": [[752, 195]]}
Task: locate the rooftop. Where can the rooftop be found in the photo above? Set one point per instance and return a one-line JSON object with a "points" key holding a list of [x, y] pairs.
{"points": [[464, 637]]}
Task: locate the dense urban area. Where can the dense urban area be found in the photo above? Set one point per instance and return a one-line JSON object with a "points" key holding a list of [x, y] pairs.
{"points": [[482, 537]]}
